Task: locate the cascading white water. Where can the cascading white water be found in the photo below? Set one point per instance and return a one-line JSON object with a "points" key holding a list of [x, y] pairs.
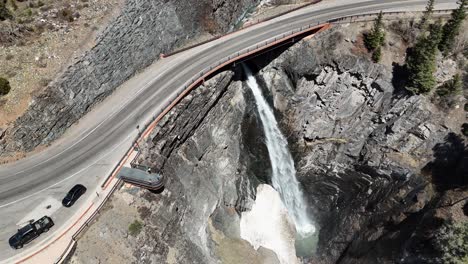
{"points": [[283, 171]]}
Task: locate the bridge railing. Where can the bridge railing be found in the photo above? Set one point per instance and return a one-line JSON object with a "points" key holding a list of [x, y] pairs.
{"points": [[231, 58], [245, 26], [387, 16]]}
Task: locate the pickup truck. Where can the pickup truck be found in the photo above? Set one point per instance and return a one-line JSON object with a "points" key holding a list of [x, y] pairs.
{"points": [[29, 232]]}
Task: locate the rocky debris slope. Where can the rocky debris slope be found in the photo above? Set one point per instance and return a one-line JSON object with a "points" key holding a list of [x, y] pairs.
{"points": [[143, 31]]}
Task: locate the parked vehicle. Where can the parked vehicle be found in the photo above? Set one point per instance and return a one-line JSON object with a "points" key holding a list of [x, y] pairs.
{"points": [[73, 195], [29, 232]]}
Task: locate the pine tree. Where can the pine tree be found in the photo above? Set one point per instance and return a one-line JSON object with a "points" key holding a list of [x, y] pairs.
{"points": [[4, 12], [452, 28], [4, 86], [427, 14], [450, 87], [421, 62], [377, 55], [377, 36]]}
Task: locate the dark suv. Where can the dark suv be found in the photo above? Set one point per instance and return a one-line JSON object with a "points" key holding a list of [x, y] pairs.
{"points": [[27, 233], [73, 195]]}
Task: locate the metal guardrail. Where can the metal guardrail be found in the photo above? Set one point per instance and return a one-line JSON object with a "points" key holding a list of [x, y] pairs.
{"points": [[195, 80], [349, 19], [258, 21]]}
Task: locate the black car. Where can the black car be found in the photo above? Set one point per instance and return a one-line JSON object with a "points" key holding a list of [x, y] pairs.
{"points": [[29, 232], [73, 195]]}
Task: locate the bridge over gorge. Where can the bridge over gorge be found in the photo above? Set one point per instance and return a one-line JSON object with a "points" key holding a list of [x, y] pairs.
{"points": [[106, 136]]}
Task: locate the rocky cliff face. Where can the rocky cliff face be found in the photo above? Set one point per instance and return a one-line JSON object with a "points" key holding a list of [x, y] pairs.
{"points": [[366, 152], [143, 31], [201, 167], [199, 147], [384, 172]]}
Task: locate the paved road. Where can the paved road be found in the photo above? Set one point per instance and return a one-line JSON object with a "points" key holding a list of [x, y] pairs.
{"points": [[90, 149]]}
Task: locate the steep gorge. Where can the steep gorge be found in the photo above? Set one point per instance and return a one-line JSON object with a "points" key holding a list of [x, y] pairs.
{"points": [[368, 156]]}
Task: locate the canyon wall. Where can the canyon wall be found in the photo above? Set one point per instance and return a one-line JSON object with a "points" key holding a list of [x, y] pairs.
{"points": [[375, 161], [383, 171]]}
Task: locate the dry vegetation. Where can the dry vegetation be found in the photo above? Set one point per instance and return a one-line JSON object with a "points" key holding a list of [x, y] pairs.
{"points": [[40, 39]]}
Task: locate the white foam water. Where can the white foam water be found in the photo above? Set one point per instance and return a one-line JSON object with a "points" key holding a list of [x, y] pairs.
{"points": [[268, 225]]}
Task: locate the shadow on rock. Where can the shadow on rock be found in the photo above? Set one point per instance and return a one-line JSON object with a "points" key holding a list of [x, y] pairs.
{"points": [[399, 80], [448, 169], [159, 191]]}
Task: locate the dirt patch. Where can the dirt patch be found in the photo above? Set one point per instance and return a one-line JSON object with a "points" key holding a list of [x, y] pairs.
{"points": [[43, 38], [111, 228], [273, 8], [234, 250]]}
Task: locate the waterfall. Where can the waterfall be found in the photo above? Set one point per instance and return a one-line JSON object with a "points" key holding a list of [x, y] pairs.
{"points": [[283, 171]]}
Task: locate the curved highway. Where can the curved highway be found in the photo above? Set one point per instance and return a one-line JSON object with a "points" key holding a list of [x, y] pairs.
{"points": [[92, 148]]}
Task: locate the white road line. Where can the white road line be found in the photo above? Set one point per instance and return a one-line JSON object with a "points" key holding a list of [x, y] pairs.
{"points": [[69, 177], [85, 168]]}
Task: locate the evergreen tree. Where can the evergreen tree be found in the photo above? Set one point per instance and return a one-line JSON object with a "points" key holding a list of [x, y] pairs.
{"points": [[450, 87], [452, 28], [421, 62], [4, 12], [377, 55], [14, 5], [376, 37], [4, 86], [427, 14]]}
